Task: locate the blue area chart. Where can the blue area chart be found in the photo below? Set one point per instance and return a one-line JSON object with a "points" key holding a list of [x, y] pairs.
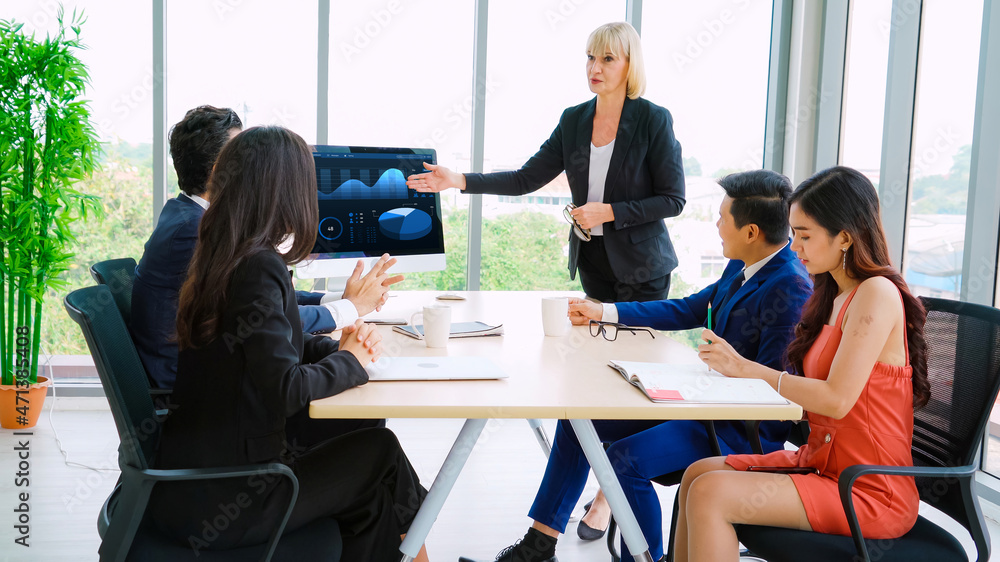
{"points": [[405, 224], [391, 184]]}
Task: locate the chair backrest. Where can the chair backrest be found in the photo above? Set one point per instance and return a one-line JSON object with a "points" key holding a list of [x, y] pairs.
{"points": [[118, 275], [122, 375], [963, 367]]}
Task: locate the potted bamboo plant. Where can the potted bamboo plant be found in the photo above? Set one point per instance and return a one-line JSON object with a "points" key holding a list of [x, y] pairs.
{"points": [[47, 143]]}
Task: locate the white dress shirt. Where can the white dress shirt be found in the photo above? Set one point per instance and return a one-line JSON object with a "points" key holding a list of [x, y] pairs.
{"points": [[600, 161]]}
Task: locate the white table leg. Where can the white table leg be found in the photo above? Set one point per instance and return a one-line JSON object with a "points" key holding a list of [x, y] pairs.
{"points": [[591, 445], [443, 483], [543, 439]]}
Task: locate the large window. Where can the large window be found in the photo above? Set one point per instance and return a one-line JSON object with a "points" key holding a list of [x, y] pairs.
{"points": [[708, 63], [257, 60], [118, 56], [401, 75], [864, 86], [536, 68], [941, 149]]}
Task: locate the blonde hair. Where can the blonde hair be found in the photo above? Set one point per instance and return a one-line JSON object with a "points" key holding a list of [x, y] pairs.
{"points": [[615, 38]]}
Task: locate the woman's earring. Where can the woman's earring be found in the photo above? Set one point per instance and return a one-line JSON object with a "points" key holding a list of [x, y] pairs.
{"points": [[843, 264]]}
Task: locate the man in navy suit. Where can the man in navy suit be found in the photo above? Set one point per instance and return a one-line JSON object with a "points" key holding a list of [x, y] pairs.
{"points": [[195, 143], [755, 304]]}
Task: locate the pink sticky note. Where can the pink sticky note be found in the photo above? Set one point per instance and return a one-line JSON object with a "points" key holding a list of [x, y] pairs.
{"points": [[663, 394]]}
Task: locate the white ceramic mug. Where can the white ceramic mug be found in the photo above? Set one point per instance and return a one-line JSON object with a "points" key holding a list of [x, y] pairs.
{"points": [[437, 324], [555, 316]]}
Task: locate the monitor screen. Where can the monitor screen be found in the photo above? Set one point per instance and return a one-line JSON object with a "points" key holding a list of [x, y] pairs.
{"points": [[366, 210]]}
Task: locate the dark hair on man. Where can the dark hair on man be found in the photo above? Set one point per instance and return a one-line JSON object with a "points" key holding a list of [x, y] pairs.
{"points": [[195, 143], [760, 197], [263, 189]]}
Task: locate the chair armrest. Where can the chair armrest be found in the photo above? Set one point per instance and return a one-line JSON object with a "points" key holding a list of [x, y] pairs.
{"points": [[850, 474], [161, 391], [179, 474], [183, 474]]}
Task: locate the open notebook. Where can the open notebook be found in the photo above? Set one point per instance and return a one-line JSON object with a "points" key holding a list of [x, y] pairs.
{"points": [[433, 368], [668, 382]]}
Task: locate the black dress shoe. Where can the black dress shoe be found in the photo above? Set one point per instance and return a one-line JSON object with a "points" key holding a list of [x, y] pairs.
{"points": [[586, 532], [508, 554]]}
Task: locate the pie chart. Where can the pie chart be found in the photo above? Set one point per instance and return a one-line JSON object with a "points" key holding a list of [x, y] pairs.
{"points": [[405, 223]]}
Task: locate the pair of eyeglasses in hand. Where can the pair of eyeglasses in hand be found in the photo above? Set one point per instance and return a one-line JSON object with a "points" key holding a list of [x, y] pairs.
{"points": [[610, 330], [581, 233]]}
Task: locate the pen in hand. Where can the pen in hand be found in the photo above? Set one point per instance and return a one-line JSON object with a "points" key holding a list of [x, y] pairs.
{"points": [[709, 327], [709, 317]]}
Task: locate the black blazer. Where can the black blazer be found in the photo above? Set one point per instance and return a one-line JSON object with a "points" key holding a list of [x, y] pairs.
{"points": [[232, 398], [645, 184], [158, 279], [234, 394]]}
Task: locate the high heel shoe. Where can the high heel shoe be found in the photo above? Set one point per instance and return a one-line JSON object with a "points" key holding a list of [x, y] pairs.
{"points": [[586, 532]]}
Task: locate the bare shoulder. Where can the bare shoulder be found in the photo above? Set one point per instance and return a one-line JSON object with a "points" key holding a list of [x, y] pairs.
{"points": [[878, 297], [877, 288]]}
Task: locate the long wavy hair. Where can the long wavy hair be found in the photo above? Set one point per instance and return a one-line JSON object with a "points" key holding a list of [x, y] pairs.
{"points": [[841, 199], [262, 189]]}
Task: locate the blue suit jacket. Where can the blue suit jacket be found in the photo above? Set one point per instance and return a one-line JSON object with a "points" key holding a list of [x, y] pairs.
{"points": [[758, 321], [158, 279]]}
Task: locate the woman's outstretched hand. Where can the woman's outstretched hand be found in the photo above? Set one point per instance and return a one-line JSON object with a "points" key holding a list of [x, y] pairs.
{"points": [[720, 356], [437, 178]]}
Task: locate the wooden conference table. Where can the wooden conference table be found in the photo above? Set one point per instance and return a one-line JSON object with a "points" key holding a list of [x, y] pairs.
{"points": [[549, 377]]}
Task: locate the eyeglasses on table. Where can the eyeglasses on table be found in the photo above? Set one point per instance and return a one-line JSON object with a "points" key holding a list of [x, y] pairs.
{"points": [[610, 330]]}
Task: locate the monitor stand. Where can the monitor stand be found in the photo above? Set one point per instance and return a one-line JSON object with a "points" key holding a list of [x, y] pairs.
{"points": [[330, 284]]}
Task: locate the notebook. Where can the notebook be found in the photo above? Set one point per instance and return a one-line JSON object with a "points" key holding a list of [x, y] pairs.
{"points": [[667, 382], [458, 330], [433, 368]]}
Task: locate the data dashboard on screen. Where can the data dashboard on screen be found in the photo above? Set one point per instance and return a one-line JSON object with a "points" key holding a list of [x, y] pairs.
{"points": [[366, 210]]}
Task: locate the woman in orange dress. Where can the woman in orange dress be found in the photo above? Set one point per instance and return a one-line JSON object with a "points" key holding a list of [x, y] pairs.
{"points": [[860, 350]]}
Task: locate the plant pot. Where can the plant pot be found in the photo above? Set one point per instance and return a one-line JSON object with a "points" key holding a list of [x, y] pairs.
{"points": [[22, 414]]}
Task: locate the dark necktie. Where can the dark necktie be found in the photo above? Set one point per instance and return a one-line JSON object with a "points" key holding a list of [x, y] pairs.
{"points": [[733, 287]]}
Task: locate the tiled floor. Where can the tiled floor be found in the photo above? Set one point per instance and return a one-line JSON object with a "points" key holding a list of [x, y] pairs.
{"points": [[485, 511]]}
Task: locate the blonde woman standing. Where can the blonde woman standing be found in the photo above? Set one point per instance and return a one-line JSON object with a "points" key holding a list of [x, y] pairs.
{"points": [[624, 169]]}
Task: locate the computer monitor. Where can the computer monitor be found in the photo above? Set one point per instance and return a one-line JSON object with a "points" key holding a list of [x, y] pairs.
{"points": [[366, 210]]}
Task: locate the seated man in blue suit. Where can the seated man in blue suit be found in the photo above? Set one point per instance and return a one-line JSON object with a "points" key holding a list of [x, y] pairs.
{"points": [[195, 143], [756, 303]]}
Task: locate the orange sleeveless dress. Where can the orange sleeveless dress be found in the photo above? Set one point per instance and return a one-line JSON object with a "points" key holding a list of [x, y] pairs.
{"points": [[877, 430]]}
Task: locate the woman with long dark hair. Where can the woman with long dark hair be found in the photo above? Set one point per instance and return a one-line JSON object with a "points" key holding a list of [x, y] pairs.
{"points": [[245, 367], [859, 368]]}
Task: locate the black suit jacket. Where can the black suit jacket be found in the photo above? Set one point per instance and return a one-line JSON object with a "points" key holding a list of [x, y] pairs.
{"points": [[234, 394], [645, 184], [232, 398], [158, 279]]}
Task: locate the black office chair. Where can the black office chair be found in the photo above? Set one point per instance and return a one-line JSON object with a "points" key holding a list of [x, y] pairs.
{"points": [[963, 364], [123, 525], [119, 276]]}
